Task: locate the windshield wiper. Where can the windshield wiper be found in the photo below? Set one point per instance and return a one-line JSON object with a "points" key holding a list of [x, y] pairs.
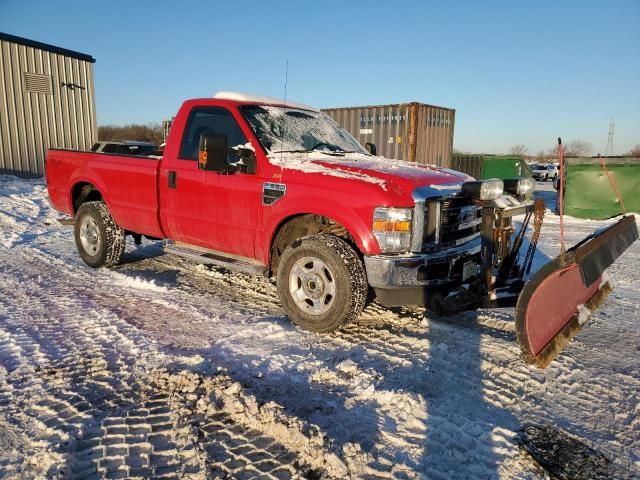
{"points": [[310, 150]]}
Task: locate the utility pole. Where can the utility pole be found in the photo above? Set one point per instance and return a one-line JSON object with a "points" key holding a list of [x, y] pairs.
{"points": [[609, 151]]}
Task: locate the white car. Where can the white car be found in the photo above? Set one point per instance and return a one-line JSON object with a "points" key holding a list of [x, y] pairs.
{"points": [[544, 172]]}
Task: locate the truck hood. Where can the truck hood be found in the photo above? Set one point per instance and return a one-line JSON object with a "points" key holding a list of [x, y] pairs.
{"points": [[395, 176]]}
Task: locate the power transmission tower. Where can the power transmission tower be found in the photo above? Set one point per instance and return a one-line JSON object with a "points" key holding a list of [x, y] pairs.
{"points": [[609, 152]]}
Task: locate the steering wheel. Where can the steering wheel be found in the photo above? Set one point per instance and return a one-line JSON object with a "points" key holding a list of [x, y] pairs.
{"points": [[330, 147]]}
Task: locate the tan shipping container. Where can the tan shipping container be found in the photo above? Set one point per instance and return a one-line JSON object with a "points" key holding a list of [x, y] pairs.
{"points": [[414, 131]]}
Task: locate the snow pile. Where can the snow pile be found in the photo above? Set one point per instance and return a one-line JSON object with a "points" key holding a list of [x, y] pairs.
{"points": [[220, 393], [583, 314], [139, 283]]}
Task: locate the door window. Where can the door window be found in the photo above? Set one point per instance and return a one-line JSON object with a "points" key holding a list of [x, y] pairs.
{"points": [[212, 120], [117, 148]]}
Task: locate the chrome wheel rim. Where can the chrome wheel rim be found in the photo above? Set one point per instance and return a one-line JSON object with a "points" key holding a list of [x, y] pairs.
{"points": [[90, 236], [312, 285]]}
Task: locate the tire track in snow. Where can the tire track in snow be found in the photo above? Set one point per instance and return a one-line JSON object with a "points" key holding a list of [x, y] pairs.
{"points": [[506, 379], [389, 347], [102, 399], [470, 363], [390, 344]]}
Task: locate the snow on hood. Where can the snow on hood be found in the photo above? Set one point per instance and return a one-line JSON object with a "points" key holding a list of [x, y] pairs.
{"points": [[400, 174]]}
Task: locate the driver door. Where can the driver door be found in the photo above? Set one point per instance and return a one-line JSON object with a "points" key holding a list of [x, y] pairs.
{"points": [[210, 209]]}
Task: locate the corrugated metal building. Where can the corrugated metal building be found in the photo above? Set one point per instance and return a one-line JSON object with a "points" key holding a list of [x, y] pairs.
{"points": [[46, 100], [409, 131]]}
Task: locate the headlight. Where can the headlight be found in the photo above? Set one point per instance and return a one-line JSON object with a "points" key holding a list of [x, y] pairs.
{"points": [[392, 228], [519, 187], [483, 189]]}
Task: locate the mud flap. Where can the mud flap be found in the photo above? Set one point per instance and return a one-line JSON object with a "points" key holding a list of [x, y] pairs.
{"points": [[558, 299]]}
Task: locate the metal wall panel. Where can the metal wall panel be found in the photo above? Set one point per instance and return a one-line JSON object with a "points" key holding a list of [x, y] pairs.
{"points": [[408, 131], [435, 135], [33, 120]]}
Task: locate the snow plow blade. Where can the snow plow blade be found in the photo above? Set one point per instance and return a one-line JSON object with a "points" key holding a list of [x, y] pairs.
{"points": [[558, 299]]}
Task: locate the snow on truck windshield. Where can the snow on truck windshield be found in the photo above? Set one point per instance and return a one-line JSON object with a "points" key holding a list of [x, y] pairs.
{"points": [[284, 129]]}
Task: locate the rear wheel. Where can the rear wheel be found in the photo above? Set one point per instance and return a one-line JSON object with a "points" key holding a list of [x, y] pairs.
{"points": [[322, 283], [99, 240]]}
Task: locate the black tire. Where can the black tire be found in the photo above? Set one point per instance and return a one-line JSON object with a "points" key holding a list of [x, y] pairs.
{"points": [[111, 237], [347, 275]]}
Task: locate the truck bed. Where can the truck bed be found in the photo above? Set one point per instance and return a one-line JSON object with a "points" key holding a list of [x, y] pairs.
{"points": [[127, 183]]}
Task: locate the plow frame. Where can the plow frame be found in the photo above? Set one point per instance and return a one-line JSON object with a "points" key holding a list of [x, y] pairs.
{"points": [[497, 249]]}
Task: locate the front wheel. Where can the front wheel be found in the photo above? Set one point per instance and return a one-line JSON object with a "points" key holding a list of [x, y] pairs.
{"points": [[100, 241], [322, 283]]}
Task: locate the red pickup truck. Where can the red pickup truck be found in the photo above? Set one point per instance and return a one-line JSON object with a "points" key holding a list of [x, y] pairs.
{"points": [[290, 194], [280, 189]]}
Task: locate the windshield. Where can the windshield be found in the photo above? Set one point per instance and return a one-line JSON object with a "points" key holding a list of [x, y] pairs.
{"points": [[282, 129]]}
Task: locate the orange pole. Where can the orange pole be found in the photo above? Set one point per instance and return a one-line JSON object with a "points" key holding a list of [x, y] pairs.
{"points": [[561, 187], [613, 184]]}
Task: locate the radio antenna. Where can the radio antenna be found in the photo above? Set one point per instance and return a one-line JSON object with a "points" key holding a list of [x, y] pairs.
{"points": [[284, 114], [286, 78]]}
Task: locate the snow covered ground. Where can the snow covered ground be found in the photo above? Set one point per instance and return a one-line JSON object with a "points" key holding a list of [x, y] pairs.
{"points": [[164, 368]]}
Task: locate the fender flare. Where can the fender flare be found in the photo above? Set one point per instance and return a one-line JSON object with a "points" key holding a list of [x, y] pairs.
{"points": [[76, 180], [361, 233]]}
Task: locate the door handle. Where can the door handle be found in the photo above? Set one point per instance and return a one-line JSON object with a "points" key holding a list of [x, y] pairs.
{"points": [[171, 179]]}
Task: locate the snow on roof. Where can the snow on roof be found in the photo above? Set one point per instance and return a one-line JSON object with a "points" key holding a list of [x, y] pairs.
{"points": [[243, 97]]}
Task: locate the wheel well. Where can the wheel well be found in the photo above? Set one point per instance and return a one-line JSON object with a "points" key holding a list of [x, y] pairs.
{"points": [[82, 193], [301, 226]]}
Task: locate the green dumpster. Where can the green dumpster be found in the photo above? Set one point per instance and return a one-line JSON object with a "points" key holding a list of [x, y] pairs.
{"points": [[491, 166], [504, 166]]}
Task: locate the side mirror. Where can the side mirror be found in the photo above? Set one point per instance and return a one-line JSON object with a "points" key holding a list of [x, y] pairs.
{"points": [[371, 148], [212, 153], [246, 159]]}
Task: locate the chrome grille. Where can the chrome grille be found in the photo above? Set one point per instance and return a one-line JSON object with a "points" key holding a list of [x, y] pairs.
{"points": [[449, 222]]}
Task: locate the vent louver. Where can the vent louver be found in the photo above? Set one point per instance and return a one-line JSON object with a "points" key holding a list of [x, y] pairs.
{"points": [[37, 83]]}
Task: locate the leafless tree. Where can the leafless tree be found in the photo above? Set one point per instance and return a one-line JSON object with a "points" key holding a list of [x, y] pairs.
{"points": [[151, 132], [635, 151], [519, 149], [578, 148], [543, 156]]}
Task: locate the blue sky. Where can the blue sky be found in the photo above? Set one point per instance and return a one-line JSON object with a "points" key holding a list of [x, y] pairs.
{"points": [[516, 72]]}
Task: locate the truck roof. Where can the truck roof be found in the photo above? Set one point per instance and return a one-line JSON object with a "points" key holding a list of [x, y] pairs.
{"points": [[260, 100]]}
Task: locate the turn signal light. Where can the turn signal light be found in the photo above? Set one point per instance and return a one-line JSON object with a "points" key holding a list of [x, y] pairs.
{"points": [[391, 226]]}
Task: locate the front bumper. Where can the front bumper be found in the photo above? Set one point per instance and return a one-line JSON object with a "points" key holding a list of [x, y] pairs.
{"points": [[420, 269]]}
